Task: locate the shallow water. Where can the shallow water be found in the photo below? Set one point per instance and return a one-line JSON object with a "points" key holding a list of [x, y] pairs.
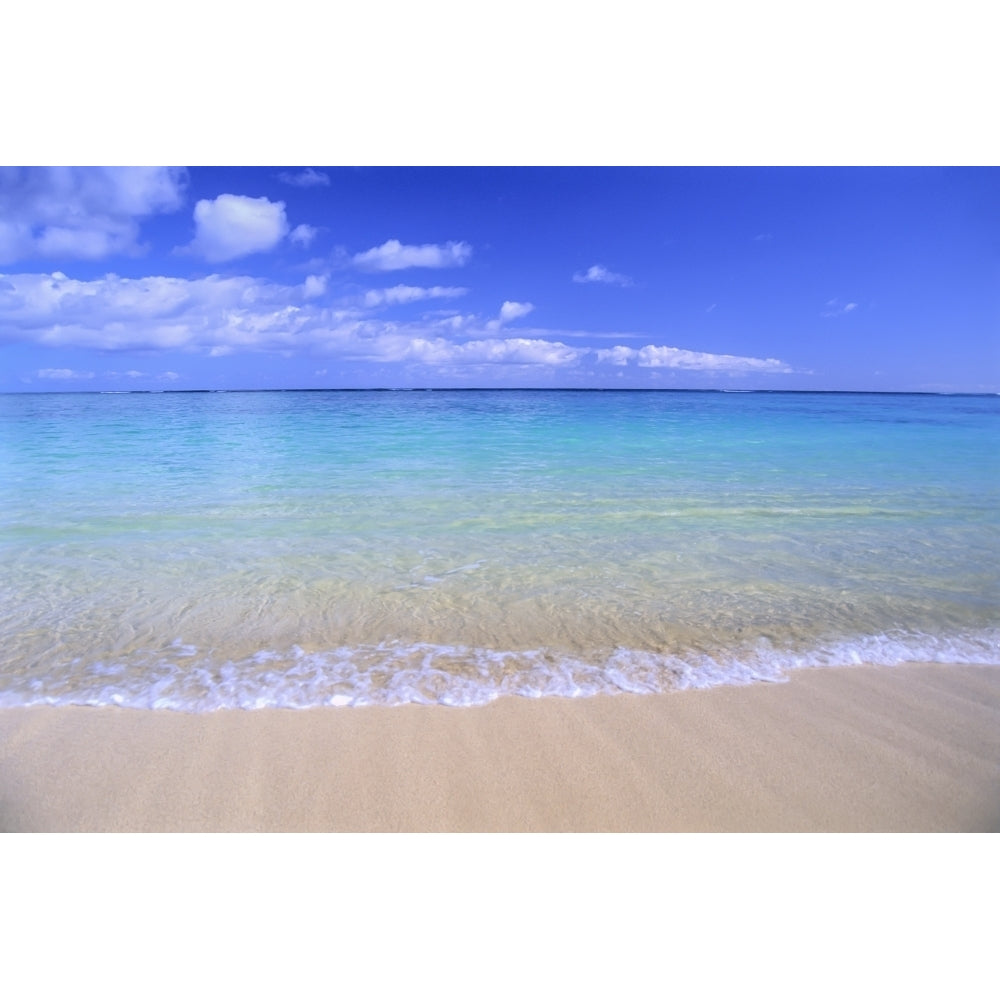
{"points": [[195, 551]]}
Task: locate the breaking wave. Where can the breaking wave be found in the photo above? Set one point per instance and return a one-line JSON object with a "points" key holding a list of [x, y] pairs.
{"points": [[181, 678]]}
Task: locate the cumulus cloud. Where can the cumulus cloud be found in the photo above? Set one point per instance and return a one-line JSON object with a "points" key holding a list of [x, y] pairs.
{"points": [[305, 178], [303, 235], [510, 311], [400, 294], [617, 355], [652, 356], [220, 316], [515, 350], [514, 310], [113, 313], [599, 273], [85, 213], [314, 285], [395, 256], [234, 225]]}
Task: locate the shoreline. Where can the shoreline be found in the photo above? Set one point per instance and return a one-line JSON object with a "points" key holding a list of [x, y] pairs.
{"points": [[914, 747]]}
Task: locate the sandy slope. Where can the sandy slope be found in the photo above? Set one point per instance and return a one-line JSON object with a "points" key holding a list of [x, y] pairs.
{"points": [[904, 748]]}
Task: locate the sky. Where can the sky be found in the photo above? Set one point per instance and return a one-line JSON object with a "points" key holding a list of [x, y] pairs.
{"points": [[845, 278]]}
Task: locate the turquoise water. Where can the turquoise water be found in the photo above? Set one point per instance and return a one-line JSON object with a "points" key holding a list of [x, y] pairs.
{"points": [[204, 550]]}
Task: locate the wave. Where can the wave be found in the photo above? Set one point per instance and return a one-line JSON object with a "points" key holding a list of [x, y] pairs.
{"points": [[180, 678]]}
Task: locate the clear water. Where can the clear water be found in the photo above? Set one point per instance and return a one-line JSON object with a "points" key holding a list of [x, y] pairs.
{"points": [[197, 551]]}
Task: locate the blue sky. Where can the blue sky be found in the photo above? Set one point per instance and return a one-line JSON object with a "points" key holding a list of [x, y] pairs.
{"points": [[304, 277]]}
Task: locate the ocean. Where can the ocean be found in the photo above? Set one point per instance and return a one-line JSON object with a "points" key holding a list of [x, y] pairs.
{"points": [[197, 551]]}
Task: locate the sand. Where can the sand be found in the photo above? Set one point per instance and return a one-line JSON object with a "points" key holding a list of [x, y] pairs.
{"points": [[909, 748]]}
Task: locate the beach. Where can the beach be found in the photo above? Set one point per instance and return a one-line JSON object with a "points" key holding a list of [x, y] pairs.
{"points": [[907, 748], [499, 611]]}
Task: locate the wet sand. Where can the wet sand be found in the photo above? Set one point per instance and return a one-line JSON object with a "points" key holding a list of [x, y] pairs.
{"points": [[911, 748]]}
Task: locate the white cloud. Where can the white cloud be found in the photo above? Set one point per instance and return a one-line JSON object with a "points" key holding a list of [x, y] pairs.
{"points": [[395, 256], [514, 310], [219, 316], [305, 178], [131, 373], [516, 350], [510, 311], [63, 374], [400, 294], [152, 313], [835, 307], [599, 273], [652, 356], [617, 355], [303, 234], [81, 212], [234, 225], [314, 285]]}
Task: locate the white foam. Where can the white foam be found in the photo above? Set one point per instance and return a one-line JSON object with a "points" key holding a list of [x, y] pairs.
{"points": [[390, 673]]}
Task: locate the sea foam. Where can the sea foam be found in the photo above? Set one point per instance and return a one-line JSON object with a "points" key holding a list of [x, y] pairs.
{"points": [[390, 673]]}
